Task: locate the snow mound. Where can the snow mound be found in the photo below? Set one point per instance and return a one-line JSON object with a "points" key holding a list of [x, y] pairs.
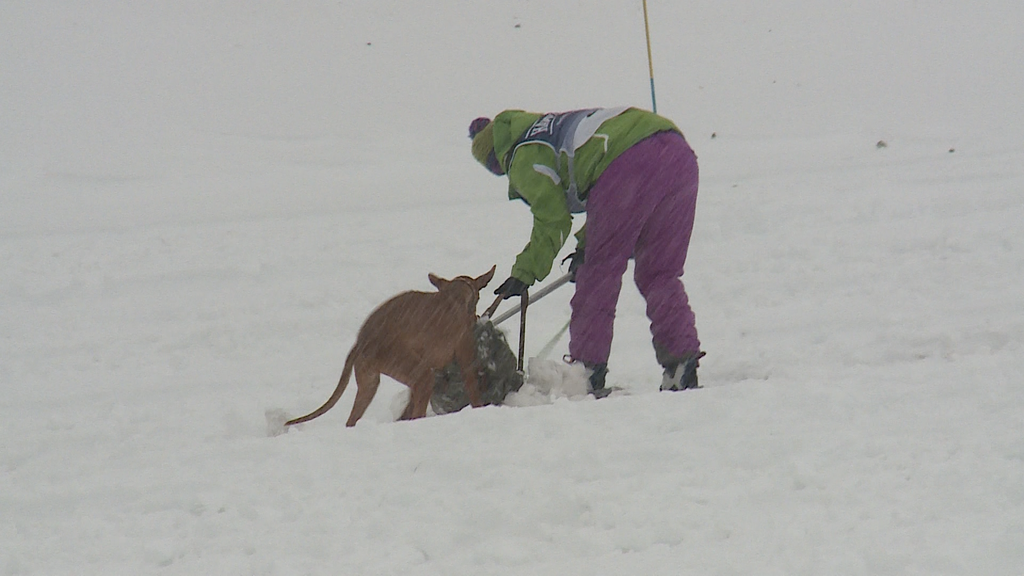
{"points": [[549, 380], [276, 418]]}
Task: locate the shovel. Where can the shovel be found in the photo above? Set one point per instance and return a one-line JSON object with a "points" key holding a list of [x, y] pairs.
{"points": [[533, 298]]}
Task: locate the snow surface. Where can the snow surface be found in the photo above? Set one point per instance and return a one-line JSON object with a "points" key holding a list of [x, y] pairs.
{"points": [[200, 202]]}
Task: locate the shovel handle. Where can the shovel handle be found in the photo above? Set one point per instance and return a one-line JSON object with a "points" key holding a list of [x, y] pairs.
{"points": [[534, 297], [490, 309], [524, 301]]}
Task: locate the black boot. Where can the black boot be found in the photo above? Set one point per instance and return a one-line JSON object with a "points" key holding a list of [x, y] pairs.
{"points": [[597, 375], [680, 371]]}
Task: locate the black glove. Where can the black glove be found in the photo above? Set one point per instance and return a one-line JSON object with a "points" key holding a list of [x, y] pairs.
{"points": [[575, 263], [511, 287]]}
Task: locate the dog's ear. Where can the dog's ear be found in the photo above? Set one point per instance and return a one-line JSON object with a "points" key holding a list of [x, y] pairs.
{"points": [[481, 281], [437, 281]]}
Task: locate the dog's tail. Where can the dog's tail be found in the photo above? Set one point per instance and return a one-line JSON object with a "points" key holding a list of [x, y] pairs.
{"points": [[342, 383]]}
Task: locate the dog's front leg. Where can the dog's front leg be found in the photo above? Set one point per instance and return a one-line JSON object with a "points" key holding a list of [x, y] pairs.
{"points": [[420, 390]]}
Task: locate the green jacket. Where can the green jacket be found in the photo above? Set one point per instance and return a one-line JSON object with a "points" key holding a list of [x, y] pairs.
{"points": [[540, 177]]}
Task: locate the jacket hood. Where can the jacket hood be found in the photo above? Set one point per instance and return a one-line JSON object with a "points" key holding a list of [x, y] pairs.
{"points": [[509, 127]]}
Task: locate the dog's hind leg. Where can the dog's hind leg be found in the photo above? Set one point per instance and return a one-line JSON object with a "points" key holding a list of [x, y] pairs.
{"points": [[367, 382]]}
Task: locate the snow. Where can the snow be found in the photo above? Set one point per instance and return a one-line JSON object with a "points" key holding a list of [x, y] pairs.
{"points": [[201, 202]]}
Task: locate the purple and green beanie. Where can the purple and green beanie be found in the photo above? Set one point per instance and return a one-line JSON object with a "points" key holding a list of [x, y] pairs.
{"points": [[481, 130]]}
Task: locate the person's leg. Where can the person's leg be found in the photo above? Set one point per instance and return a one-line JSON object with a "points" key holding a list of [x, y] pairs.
{"points": [[611, 233], [661, 252], [616, 212]]}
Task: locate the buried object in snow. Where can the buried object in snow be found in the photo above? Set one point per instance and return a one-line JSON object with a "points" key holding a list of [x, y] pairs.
{"points": [[496, 369]]}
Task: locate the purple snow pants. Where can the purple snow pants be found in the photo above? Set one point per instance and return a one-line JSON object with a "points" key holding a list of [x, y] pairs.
{"points": [[642, 205]]}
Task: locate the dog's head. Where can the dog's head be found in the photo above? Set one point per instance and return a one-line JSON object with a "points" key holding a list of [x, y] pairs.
{"points": [[465, 288]]}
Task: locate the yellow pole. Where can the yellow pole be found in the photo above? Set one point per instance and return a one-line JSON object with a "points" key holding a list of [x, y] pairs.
{"points": [[650, 61]]}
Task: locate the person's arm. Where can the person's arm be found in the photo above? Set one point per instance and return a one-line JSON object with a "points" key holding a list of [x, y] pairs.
{"points": [[534, 176]]}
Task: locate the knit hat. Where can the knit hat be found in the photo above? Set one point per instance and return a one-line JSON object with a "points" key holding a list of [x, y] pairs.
{"points": [[481, 130], [477, 125]]}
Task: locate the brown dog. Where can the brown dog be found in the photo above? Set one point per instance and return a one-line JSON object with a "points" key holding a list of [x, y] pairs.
{"points": [[408, 338]]}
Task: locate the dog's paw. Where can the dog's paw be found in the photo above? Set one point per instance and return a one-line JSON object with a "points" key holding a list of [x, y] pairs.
{"points": [[275, 421]]}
